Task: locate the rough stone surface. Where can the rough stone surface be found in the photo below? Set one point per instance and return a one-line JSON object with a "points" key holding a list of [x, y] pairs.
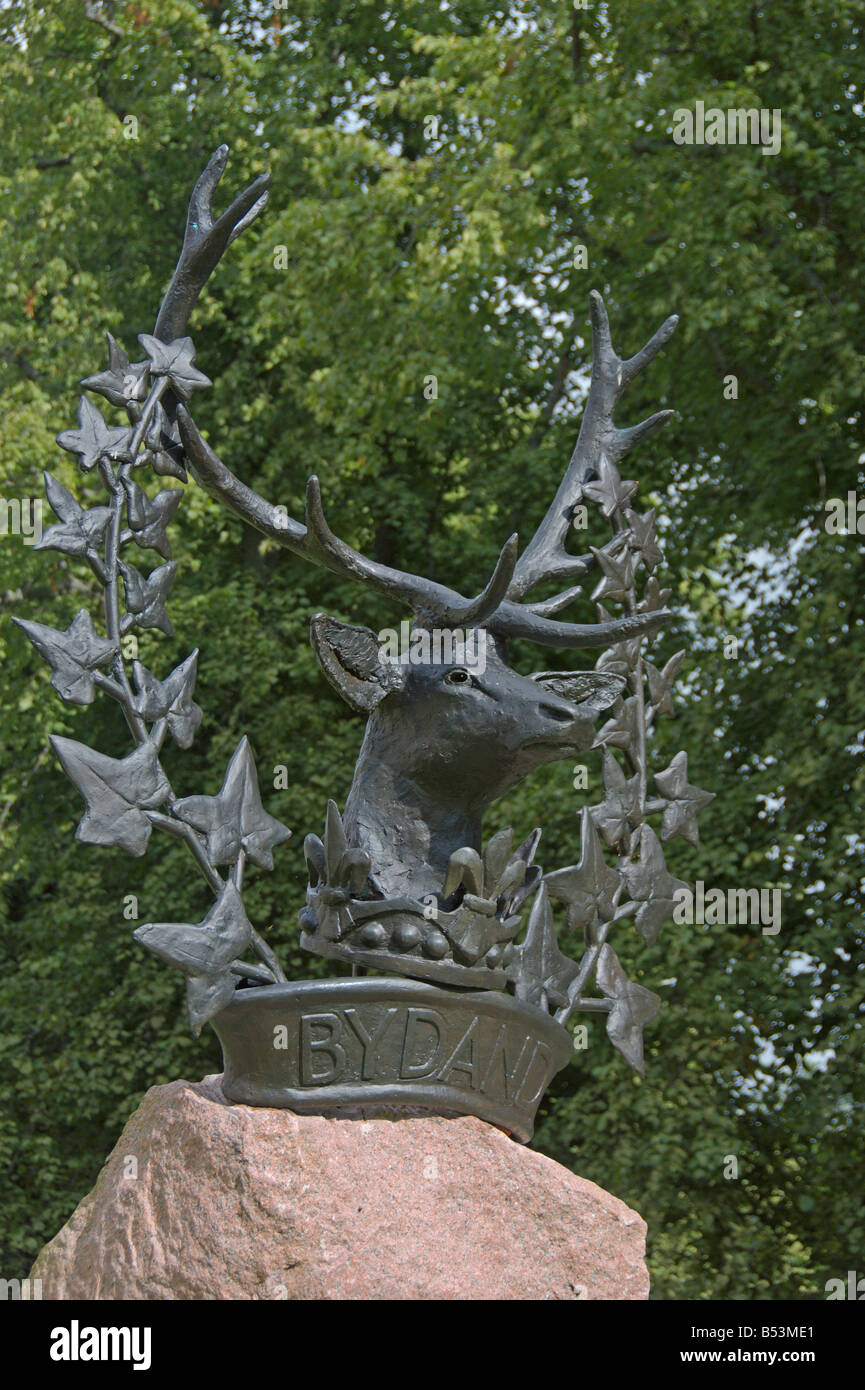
{"points": [[232, 1202]]}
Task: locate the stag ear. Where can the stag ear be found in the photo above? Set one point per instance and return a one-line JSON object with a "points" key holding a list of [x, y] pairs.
{"points": [[591, 690], [350, 657]]}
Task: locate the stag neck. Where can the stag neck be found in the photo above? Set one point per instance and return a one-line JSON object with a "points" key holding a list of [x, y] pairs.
{"points": [[408, 834]]}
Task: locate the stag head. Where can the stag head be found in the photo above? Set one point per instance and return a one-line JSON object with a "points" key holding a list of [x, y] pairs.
{"points": [[442, 740]]}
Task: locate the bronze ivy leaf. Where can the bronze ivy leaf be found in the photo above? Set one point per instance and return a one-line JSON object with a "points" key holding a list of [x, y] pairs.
{"points": [[633, 1007], [167, 466], [209, 946], [117, 791], [165, 451], [203, 952], [123, 381], [644, 533], [527, 881], [650, 885], [621, 658], [170, 699], [609, 491], [661, 683], [589, 889], [148, 517], [206, 996], [654, 597], [684, 802], [73, 655], [621, 804], [542, 974], [175, 360], [235, 819], [93, 439], [618, 575], [621, 731], [79, 530], [145, 598]]}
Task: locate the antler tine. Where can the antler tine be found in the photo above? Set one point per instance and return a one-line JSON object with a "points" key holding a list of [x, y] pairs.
{"points": [[634, 365], [516, 620], [334, 554], [545, 557], [548, 606], [629, 438], [489, 600], [205, 241]]}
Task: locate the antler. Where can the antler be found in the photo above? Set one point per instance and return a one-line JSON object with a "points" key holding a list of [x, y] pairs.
{"points": [[314, 541], [205, 242], [545, 557], [433, 603]]}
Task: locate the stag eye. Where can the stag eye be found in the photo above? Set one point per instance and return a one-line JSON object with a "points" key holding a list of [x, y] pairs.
{"points": [[459, 676]]}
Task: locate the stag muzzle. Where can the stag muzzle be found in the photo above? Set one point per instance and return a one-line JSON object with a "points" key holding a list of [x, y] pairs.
{"points": [[572, 702]]}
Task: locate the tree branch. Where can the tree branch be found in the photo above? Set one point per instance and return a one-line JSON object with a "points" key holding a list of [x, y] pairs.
{"points": [[93, 12]]}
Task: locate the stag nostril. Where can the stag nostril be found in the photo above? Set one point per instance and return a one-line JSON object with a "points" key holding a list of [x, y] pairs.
{"points": [[561, 713]]}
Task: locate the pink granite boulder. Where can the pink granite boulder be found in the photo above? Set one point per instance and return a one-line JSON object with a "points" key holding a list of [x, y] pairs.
{"points": [[206, 1200]]}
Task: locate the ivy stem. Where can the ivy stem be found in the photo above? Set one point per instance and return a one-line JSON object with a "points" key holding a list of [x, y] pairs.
{"points": [[182, 831], [640, 692], [638, 756], [263, 951], [157, 390], [259, 973], [110, 687], [237, 870], [119, 688], [587, 965], [112, 600], [258, 942]]}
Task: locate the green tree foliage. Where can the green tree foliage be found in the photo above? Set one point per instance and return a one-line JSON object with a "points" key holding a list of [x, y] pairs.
{"points": [[436, 170]]}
